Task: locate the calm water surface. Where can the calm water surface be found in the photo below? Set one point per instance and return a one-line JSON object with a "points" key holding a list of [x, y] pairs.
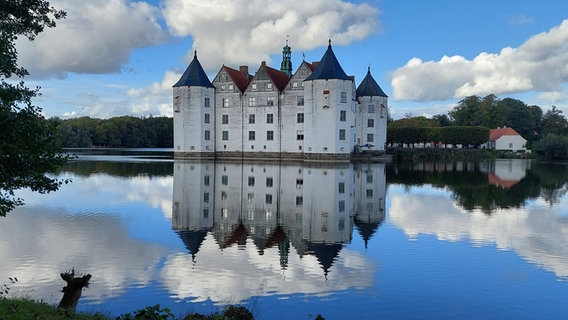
{"points": [[421, 241]]}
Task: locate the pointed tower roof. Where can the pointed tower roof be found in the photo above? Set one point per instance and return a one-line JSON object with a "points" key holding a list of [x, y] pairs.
{"points": [[328, 67], [194, 75], [369, 87]]}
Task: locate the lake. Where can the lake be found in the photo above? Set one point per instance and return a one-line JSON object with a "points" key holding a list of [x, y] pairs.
{"points": [[292, 240]]}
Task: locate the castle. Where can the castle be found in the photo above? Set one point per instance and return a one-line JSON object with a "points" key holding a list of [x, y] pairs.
{"points": [[316, 113]]}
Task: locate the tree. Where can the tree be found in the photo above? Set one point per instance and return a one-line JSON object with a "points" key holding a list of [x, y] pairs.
{"points": [[27, 140], [553, 122]]}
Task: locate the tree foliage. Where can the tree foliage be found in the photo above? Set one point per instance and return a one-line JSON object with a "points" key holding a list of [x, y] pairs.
{"points": [[124, 131], [27, 141]]}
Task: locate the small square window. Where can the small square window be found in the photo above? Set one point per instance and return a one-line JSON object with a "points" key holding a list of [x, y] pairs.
{"points": [[254, 86], [300, 135], [252, 101], [270, 101], [269, 86]]}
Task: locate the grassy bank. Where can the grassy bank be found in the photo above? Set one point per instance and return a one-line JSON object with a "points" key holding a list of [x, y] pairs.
{"points": [[25, 309], [441, 154]]}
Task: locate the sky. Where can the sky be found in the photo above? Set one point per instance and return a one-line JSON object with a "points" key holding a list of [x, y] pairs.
{"points": [[119, 57]]}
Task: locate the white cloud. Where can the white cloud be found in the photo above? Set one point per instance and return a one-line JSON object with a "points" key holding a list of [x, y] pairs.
{"points": [[247, 32], [538, 64], [96, 37], [537, 232]]}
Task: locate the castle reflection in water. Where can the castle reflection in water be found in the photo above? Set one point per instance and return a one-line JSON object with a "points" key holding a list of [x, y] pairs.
{"points": [[312, 207]]}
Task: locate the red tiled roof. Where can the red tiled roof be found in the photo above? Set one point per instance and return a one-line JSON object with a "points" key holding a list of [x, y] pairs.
{"points": [[279, 78], [238, 78], [495, 134], [495, 180]]}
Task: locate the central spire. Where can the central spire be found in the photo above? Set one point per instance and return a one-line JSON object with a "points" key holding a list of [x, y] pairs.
{"points": [[286, 65]]}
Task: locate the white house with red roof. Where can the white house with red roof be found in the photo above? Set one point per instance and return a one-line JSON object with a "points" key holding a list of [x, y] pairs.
{"points": [[506, 138]]}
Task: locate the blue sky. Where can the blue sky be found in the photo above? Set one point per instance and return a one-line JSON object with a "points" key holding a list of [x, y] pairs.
{"points": [[119, 57]]}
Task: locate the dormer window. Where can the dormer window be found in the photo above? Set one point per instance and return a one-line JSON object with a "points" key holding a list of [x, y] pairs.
{"points": [[269, 86], [254, 86]]}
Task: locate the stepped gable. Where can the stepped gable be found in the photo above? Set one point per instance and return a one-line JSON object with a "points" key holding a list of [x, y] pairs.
{"points": [[369, 87], [194, 75], [240, 78], [279, 78], [328, 67]]}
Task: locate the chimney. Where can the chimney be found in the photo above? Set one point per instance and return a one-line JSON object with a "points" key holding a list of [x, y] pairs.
{"points": [[245, 71]]}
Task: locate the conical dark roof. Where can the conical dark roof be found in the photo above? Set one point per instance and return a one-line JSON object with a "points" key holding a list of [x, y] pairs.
{"points": [[369, 87], [194, 75], [192, 239], [328, 67], [326, 253]]}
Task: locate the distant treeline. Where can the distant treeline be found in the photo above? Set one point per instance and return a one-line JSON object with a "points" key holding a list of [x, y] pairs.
{"points": [[124, 131]]}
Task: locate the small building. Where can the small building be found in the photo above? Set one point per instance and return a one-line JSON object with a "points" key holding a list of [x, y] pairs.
{"points": [[506, 139]]}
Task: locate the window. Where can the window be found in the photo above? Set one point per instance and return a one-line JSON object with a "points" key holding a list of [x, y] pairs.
{"points": [[224, 180], [341, 187], [341, 205], [206, 180], [343, 98], [369, 178], [252, 101], [206, 197], [207, 103], [269, 86], [299, 200], [382, 111], [369, 193], [299, 183], [269, 135], [371, 109], [223, 88], [270, 118], [207, 118], [342, 115], [205, 213], [300, 135], [300, 100], [250, 197], [254, 86], [341, 134], [252, 135], [370, 123], [225, 119], [251, 181], [294, 84], [225, 135], [300, 118], [251, 118], [270, 101], [370, 137], [231, 87], [269, 182], [225, 103], [268, 199], [207, 135]]}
